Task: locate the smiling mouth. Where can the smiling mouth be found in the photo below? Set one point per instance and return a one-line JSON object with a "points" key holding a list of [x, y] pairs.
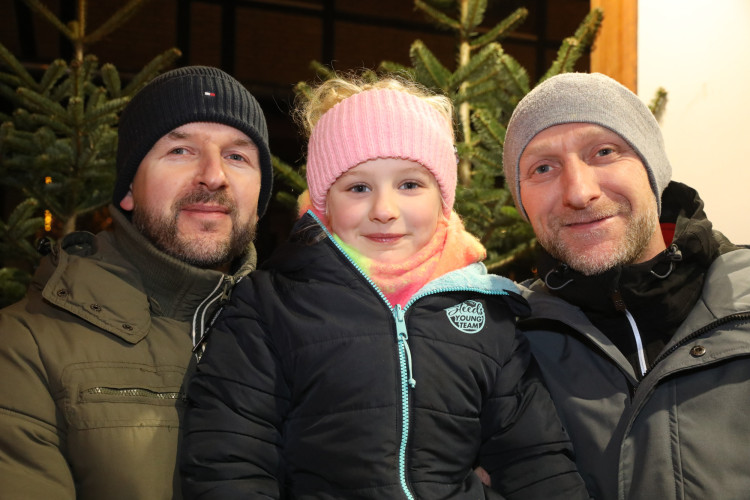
{"points": [[384, 238], [200, 208], [585, 223], [591, 221]]}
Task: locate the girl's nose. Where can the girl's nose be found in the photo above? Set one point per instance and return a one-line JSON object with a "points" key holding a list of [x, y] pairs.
{"points": [[384, 207]]}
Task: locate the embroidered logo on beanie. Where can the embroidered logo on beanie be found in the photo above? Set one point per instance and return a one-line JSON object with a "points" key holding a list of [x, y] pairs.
{"points": [[468, 316]]}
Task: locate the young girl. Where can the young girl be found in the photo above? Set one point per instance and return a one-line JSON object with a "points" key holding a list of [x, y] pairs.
{"points": [[373, 356]]}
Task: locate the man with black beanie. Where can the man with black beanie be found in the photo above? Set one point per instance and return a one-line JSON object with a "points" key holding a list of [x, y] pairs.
{"points": [[641, 314], [94, 359]]}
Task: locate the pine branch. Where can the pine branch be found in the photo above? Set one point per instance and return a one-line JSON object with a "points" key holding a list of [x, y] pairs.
{"points": [[21, 225], [54, 72], [436, 15], [481, 66], [516, 78], [40, 8], [37, 102], [441, 4], [115, 21], [502, 29], [659, 103], [111, 79], [290, 177], [490, 131], [566, 58], [14, 64], [429, 70], [474, 16], [150, 70], [397, 69], [322, 71], [104, 113], [589, 27], [572, 48], [497, 263], [54, 124]]}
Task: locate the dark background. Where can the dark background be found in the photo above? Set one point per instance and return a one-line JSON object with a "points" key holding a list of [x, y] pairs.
{"points": [[269, 44]]}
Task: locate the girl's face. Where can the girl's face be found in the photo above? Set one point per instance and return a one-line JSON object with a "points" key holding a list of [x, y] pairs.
{"points": [[387, 208]]}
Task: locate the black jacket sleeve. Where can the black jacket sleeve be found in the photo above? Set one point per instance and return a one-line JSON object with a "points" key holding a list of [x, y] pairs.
{"points": [[526, 450], [237, 401]]}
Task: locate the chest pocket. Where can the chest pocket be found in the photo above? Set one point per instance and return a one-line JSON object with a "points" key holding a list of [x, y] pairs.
{"points": [[100, 395]]}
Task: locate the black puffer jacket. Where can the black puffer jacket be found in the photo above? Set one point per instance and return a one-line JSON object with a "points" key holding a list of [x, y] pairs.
{"points": [[313, 387]]}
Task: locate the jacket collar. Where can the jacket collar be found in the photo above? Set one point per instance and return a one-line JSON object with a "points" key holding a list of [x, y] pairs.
{"points": [[661, 280], [722, 286], [118, 280], [173, 287]]}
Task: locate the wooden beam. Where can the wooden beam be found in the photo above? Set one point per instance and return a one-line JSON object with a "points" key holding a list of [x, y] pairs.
{"points": [[615, 51]]}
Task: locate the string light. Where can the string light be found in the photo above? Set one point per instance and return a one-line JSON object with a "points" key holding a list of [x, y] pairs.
{"points": [[47, 213]]}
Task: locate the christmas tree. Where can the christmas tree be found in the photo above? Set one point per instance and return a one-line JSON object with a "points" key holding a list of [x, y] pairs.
{"points": [[58, 148]]}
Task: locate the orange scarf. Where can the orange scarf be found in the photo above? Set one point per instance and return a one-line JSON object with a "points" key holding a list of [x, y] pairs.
{"points": [[451, 248]]}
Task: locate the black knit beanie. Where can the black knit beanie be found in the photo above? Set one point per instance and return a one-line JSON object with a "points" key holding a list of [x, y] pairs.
{"points": [[186, 95]]}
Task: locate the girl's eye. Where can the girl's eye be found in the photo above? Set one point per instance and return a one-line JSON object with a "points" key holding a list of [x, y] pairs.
{"points": [[410, 185], [359, 188]]}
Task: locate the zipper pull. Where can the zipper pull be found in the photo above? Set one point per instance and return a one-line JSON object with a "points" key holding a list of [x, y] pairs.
{"points": [[402, 337], [618, 301]]}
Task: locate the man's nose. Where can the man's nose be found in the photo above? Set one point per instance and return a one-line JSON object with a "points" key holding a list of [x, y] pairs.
{"points": [[581, 183], [211, 170]]}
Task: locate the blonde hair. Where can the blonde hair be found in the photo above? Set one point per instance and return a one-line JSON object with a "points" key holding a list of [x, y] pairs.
{"points": [[326, 95]]}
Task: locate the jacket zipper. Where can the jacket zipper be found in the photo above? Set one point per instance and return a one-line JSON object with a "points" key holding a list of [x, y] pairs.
{"points": [[404, 353], [133, 392], [200, 326], [404, 357]]}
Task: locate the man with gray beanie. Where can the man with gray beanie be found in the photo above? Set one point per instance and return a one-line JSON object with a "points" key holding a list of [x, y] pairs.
{"points": [[641, 324], [94, 359]]}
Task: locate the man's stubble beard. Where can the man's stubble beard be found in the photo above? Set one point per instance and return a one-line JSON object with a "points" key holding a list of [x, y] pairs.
{"points": [[638, 233], [203, 250]]}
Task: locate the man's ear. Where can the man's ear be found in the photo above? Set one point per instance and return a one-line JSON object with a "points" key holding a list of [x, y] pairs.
{"points": [[127, 203]]}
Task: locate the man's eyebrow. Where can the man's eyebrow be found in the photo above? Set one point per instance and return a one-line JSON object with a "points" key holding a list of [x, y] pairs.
{"points": [[245, 142], [178, 134]]}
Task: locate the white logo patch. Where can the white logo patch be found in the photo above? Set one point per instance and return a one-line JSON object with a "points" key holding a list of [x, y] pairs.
{"points": [[467, 316]]}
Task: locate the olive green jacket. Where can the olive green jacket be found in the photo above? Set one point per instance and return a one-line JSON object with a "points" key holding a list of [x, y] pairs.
{"points": [[93, 363]]}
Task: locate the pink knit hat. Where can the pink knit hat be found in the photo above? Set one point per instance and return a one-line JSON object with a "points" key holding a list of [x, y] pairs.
{"points": [[380, 123]]}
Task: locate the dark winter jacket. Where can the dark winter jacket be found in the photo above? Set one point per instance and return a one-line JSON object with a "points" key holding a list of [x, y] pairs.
{"points": [[93, 362], [312, 386], [677, 431]]}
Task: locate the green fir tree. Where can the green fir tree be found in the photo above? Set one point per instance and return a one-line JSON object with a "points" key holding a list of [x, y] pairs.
{"points": [[58, 148], [485, 86]]}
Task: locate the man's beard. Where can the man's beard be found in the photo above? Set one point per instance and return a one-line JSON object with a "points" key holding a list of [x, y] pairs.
{"points": [[638, 233], [206, 251]]}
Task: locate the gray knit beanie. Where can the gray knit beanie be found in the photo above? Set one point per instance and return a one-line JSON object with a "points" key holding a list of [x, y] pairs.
{"points": [[186, 95], [586, 98]]}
